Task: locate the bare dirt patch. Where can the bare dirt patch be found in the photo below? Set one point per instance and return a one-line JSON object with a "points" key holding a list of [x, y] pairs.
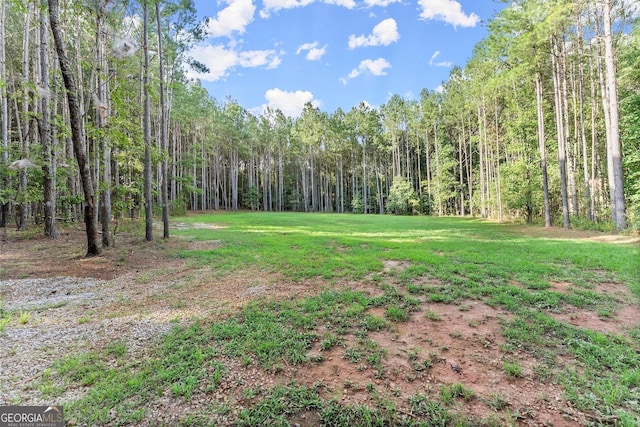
{"points": [[395, 266], [624, 317], [561, 233]]}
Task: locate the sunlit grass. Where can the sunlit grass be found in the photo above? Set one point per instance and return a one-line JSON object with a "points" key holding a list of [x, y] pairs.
{"points": [[353, 246]]}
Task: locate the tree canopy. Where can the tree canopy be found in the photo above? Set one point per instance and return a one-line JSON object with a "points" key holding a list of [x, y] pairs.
{"points": [[529, 128]]}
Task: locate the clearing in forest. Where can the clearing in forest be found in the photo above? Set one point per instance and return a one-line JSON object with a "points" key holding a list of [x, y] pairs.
{"points": [[319, 319]]}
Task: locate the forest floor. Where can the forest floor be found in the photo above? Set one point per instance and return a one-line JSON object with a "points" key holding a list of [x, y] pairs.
{"points": [[56, 302]]}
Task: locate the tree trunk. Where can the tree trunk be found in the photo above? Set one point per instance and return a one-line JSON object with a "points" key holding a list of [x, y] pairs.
{"points": [[427, 156], [148, 201], [582, 124], [614, 151], [364, 175], [461, 170], [564, 97], [436, 144], [48, 166], [594, 188], [21, 217], [77, 132], [469, 155], [102, 121], [562, 154], [543, 150], [4, 111], [498, 178]]}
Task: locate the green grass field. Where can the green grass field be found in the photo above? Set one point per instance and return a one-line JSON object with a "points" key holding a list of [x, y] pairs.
{"points": [[449, 261]]}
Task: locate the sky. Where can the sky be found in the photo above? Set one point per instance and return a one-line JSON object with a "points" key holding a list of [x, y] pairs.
{"points": [[334, 53]]}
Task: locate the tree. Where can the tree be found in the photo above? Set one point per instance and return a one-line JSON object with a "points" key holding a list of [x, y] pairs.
{"points": [[48, 149], [402, 199], [630, 123], [25, 134], [562, 132], [4, 116], [148, 201], [102, 118], [164, 137], [610, 101], [77, 131], [480, 144]]}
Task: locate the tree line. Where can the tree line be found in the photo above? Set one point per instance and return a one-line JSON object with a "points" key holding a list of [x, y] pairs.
{"points": [[100, 122]]}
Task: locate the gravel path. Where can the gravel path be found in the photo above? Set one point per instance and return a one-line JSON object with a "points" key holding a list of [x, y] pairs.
{"points": [[64, 316]]}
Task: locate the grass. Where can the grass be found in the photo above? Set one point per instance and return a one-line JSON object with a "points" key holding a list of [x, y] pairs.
{"points": [[24, 317], [353, 246], [448, 260], [21, 317], [5, 317], [512, 369]]}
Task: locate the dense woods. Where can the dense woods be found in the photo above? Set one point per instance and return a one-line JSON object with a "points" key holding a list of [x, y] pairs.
{"points": [[100, 122]]}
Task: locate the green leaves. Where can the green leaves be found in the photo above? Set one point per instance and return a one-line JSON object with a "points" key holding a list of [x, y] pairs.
{"points": [[402, 199]]}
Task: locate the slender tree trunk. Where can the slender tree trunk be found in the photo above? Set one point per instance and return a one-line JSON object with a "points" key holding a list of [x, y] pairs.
{"points": [[583, 132], [461, 170], [469, 155], [427, 154], [77, 132], [48, 166], [562, 154], [281, 202], [572, 198], [498, 176], [148, 201], [436, 144], [594, 188], [614, 151], [488, 172], [102, 121], [543, 150], [483, 159], [4, 111], [26, 121], [364, 175]]}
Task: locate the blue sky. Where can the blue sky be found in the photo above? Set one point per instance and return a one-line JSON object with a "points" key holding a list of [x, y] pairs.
{"points": [[334, 53]]}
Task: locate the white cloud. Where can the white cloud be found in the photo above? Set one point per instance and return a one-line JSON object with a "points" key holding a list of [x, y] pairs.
{"points": [[314, 53], [349, 4], [445, 64], [276, 5], [376, 67], [235, 17], [449, 11], [258, 58], [383, 34], [382, 3], [290, 103], [220, 60]]}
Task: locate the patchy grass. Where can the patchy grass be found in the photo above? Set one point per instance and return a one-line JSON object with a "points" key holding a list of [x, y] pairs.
{"points": [[453, 261]]}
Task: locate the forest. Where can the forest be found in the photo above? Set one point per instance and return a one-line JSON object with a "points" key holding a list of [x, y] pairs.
{"points": [[99, 123]]}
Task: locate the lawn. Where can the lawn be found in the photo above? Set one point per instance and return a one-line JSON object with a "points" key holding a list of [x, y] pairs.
{"points": [[398, 321]]}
